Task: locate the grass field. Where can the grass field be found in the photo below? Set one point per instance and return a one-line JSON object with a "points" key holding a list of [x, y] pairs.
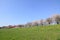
{"points": [[51, 32]]}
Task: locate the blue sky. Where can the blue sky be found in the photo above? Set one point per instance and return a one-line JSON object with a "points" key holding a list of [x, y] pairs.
{"points": [[14, 12]]}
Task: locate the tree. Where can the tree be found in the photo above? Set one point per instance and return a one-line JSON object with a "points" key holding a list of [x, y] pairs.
{"points": [[49, 20], [35, 23], [0, 27], [44, 22], [41, 21], [20, 25], [10, 26], [56, 18], [29, 24], [4, 27]]}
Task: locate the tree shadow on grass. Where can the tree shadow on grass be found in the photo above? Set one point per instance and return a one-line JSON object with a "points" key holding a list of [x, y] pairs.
{"points": [[58, 39]]}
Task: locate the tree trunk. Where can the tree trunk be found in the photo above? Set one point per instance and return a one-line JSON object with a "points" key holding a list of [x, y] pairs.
{"points": [[57, 22], [49, 23], [41, 24]]}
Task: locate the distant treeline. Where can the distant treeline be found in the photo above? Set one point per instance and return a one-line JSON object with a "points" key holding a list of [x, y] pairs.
{"points": [[54, 19]]}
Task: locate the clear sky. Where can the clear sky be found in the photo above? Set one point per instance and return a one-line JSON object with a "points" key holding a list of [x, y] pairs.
{"points": [[22, 11]]}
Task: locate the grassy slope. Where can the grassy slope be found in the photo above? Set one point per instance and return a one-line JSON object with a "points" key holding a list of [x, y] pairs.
{"points": [[32, 33]]}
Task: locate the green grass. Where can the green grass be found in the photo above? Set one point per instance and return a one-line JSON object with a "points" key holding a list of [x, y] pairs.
{"points": [[51, 32]]}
